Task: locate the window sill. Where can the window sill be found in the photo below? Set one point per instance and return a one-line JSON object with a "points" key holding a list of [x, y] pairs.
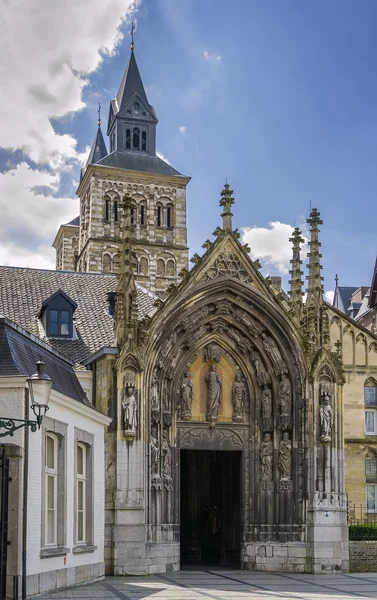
{"points": [[50, 552], [84, 549]]}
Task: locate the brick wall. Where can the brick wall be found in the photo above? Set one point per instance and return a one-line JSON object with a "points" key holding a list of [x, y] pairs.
{"points": [[363, 556]]}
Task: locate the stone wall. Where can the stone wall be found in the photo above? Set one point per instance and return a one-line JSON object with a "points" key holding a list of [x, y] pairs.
{"points": [[363, 556]]}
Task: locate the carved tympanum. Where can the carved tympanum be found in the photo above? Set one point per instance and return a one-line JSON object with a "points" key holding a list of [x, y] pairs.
{"points": [[186, 393], [214, 394], [238, 397]]}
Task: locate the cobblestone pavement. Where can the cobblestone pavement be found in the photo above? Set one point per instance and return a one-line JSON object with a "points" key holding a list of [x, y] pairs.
{"points": [[226, 585]]}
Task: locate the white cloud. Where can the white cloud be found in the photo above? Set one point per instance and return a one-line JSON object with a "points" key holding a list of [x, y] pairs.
{"points": [[271, 244], [329, 296], [48, 49], [163, 157], [31, 216], [208, 56], [182, 129]]}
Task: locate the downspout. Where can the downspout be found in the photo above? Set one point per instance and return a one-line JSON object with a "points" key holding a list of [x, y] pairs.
{"points": [[25, 494]]}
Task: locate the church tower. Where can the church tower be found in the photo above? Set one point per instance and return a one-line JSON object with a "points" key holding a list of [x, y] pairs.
{"points": [[131, 168]]}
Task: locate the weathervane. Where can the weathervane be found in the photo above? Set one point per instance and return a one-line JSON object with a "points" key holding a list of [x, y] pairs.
{"points": [[99, 114], [132, 36]]}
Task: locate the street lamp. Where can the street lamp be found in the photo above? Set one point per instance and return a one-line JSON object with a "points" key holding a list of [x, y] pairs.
{"points": [[40, 388]]}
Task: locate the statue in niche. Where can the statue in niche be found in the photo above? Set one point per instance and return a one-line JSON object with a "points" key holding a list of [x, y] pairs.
{"points": [[212, 353], [214, 394], [166, 459], [166, 406], [155, 389], [155, 460], [273, 352], [129, 405], [238, 397], [326, 415], [266, 450], [285, 395], [186, 396], [266, 403], [263, 377], [285, 457]]}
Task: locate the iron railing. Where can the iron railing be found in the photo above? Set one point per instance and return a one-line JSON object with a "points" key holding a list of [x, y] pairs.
{"points": [[362, 522]]}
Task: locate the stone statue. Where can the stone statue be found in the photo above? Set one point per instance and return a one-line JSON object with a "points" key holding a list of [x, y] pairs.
{"points": [[155, 454], [166, 456], [214, 394], [266, 403], [155, 401], [186, 396], [266, 457], [285, 396], [326, 416], [285, 457], [263, 377], [129, 405], [212, 352], [238, 397], [273, 352]]}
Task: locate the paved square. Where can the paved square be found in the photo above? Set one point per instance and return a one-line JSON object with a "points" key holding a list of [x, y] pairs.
{"points": [[226, 585]]}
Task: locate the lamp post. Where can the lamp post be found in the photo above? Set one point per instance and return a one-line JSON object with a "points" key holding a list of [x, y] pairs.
{"points": [[39, 388]]}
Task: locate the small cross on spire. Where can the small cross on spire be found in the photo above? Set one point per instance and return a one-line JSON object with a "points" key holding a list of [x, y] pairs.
{"points": [[99, 114], [132, 36], [336, 280]]}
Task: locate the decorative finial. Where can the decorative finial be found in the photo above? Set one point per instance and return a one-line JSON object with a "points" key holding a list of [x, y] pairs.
{"points": [[336, 280], [226, 202], [99, 114], [132, 36]]}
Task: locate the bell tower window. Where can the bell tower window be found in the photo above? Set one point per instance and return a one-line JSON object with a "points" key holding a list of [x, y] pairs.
{"points": [[142, 214], [115, 210], [143, 140], [107, 209], [136, 139], [128, 139]]}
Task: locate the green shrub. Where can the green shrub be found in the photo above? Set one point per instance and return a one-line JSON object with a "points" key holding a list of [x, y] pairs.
{"points": [[366, 531]]}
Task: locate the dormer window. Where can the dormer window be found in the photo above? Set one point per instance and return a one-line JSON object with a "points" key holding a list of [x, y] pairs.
{"points": [[57, 315]]}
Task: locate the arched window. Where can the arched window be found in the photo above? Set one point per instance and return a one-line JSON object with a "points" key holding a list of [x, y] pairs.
{"points": [[115, 210], [136, 109], [143, 266], [144, 140], [159, 215], [106, 263], [371, 481], [128, 139], [116, 263], [169, 217], [142, 214], [107, 209], [370, 401], [136, 139], [170, 268], [160, 268], [133, 215]]}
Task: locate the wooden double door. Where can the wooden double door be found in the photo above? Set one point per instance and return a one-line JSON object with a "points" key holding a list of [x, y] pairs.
{"points": [[210, 507]]}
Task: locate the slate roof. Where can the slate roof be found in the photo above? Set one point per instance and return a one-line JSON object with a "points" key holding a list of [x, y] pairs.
{"points": [[98, 149], [75, 221], [131, 84], [342, 302], [23, 291], [137, 161], [19, 353]]}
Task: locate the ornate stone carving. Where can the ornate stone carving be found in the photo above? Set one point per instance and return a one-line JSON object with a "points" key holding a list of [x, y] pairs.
{"points": [[223, 307], [243, 343], [273, 352], [204, 439], [166, 407], [238, 397], [214, 394], [285, 396], [155, 398], [267, 421], [166, 348], [155, 461], [129, 405], [254, 327], [187, 395], [285, 457], [166, 461], [263, 377], [326, 415], [266, 450], [229, 265], [196, 335], [188, 323], [212, 352], [285, 485]]}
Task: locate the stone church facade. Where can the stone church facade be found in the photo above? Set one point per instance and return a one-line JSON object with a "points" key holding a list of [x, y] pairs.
{"points": [[232, 403]]}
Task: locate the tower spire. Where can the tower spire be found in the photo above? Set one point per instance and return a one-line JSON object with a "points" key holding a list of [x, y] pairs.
{"points": [[125, 313], [296, 293], [98, 149], [226, 202], [132, 36], [314, 266]]}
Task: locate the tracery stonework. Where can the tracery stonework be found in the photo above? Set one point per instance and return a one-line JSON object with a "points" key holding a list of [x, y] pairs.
{"points": [[227, 264]]}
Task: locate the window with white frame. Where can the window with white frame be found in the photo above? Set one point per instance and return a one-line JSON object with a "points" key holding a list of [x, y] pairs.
{"points": [[51, 489], [371, 481], [81, 502], [370, 401]]}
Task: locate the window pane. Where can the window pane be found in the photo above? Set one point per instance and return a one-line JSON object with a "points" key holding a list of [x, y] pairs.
{"points": [[64, 316], [370, 396], [80, 460], [142, 214], [369, 421], [371, 468], [80, 526], [64, 329], [53, 316], [50, 533], [53, 329], [50, 452], [135, 139], [80, 495], [51, 492], [371, 497]]}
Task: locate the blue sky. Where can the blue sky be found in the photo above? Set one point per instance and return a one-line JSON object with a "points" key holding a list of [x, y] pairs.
{"points": [[279, 97]]}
